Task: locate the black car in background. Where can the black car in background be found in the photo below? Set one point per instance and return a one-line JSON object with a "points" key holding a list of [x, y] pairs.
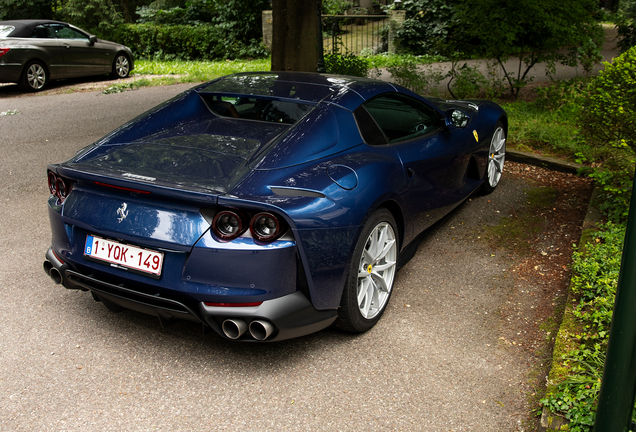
{"points": [[32, 52]]}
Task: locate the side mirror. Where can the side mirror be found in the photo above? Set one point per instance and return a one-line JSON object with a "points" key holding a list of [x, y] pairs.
{"points": [[92, 39], [457, 118]]}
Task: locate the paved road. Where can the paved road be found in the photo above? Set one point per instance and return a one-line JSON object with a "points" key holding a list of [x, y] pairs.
{"points": [[435, 362]]}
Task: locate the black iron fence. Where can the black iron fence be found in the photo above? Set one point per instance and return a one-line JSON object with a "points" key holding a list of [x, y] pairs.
{"points": [[355, 34]]}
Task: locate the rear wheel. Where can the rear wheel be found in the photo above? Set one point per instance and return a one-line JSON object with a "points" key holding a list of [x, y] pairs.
{"points": [[121, 66], [371, 274], [496, 159], [34, 77]]}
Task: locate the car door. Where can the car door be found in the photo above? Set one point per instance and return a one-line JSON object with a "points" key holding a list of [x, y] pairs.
{"points": [[81, 56], [50, 50], [433, 164]]}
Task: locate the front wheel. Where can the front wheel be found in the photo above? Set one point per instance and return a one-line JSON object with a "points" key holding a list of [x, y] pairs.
{"points": [[34, 77], [121, 66], [371, 274], [496, 159]]}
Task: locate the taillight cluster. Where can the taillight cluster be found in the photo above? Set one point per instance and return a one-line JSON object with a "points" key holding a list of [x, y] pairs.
{"points": [[59, 186], [264, 226], [3, 51]]}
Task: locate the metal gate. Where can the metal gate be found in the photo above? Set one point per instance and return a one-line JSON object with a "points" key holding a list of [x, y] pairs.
{"points": [[355, 34]]}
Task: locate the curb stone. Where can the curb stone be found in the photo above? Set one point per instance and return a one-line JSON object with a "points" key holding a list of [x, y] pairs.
{"points": [[543, 161]]}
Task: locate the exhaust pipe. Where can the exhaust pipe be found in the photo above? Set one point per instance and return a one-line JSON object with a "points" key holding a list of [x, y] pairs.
{"points": [[261, 330], [234, 328], [56, 275], [53, 273], [47, 267]]}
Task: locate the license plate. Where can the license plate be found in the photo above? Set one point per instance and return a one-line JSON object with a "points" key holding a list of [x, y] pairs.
{"points": [[146, 261]]}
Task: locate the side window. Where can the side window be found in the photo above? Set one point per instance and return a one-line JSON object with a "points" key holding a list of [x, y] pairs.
{"points": [[42, 32], [63, 32], [401, 117]]}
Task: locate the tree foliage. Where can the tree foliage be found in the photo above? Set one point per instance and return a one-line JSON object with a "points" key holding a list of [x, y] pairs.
{"points": [[25, 9], [530, 31], [626, 24], [95, 16], [427, 26]]}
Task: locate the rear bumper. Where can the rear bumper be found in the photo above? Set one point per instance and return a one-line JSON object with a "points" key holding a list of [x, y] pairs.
{"points": [[10, 72], [291, 315]]}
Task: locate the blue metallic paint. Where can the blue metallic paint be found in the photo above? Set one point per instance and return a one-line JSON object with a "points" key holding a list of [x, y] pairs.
{"points": [[317, 174]]}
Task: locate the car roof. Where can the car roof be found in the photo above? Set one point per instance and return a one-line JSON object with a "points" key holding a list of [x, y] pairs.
{"points": [[346, 91], [24, 28]]}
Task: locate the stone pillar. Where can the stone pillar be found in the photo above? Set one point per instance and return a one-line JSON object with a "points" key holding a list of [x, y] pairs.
{"points": [[268, 28], [396, 19]]}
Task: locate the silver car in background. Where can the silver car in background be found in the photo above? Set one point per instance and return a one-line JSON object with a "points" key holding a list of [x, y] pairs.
{"points": [[32, 52]]}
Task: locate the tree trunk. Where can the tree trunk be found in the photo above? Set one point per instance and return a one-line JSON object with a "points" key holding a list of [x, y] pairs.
{"points": [[296, 41]]}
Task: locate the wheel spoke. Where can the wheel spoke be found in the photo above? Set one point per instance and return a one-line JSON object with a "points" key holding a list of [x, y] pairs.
{"points": [[381, 267], [368, 299], [388, 246], [362, 290], [380, 243], [379, 280]]}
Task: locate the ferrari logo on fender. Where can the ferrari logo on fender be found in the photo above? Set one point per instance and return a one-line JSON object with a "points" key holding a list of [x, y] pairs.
{"points": [[122, 212], [476, 136]]}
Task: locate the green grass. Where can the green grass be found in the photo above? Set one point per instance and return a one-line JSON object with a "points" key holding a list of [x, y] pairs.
{"points": [[196, 71], [533, 127]]}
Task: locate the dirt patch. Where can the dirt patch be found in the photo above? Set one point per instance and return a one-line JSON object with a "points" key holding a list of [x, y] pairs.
{"points": [[541, 236]]}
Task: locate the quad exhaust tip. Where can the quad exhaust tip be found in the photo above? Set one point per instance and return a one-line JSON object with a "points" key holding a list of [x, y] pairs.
{"points": [[261, 330], [234, 328], [52, 272]]}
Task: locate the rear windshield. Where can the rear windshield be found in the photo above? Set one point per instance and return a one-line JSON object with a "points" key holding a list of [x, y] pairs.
{"points": [[255, 108], [5, 30]]}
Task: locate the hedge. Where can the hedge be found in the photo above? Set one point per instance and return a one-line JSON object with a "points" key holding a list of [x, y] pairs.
{"points": [[183, 42]]}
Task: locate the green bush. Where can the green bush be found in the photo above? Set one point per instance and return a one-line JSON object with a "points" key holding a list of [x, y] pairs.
{"points": [[608, 116], [346, 64], [184, 42], [608, 121], [405, 72]]}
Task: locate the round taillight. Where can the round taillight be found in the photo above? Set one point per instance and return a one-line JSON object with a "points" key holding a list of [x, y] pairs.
{"points": [[52, 179], [227, 225], [62, 189], [265, 227]]}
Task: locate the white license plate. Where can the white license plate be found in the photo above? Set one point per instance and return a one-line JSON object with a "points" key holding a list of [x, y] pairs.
{"points": [[143, 260]]}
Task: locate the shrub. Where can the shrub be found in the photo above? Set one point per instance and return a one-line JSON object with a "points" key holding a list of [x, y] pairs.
{"points": [[405, 72], [347, 64], [608, 116], [608, 121], [184, 42]]}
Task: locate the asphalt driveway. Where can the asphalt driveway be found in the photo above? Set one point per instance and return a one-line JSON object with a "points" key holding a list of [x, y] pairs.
{"points": [[461, 346]]}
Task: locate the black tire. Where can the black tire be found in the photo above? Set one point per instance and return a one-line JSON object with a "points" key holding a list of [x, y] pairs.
{"points": [[121, 66], [496, 159], [34, 77], [371, 271]]}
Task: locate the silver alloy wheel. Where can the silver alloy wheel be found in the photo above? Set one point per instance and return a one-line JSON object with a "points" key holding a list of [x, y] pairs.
{"points": [[496, 156], [122, 66], [376, 270], [36, 76]]}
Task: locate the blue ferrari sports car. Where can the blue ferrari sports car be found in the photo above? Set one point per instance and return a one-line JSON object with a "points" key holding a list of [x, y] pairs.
{"points": [[267, 206]]}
